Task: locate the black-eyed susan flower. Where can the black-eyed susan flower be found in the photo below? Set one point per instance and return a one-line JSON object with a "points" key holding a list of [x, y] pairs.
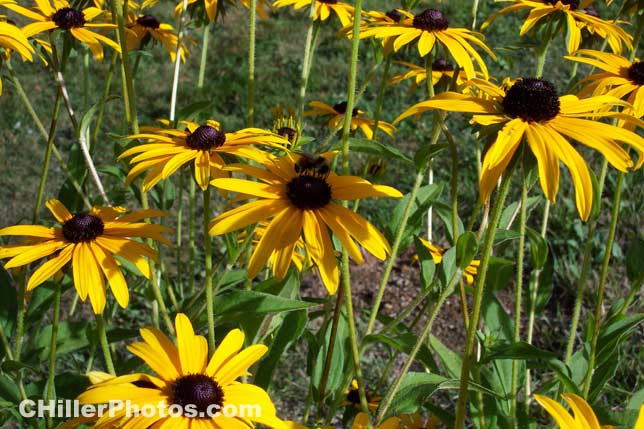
{"points": [[142, 26], [90, 241], [531, 108], [189, 390], [167, 149], [620, 78], [297, 195], [437, 256], [323, 9], [417, 421], [62, 15], [337, 112], [441, 69], [352, 397], [362, 419], [583, 416], [429, 28], [13, 39], [575, 18]]}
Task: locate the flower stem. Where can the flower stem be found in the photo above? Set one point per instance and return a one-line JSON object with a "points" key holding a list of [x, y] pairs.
{"points": [[331, 346], [129, 97], [468, 354], [398, 239], [102, 338], [192, 248], [602, 284], [518, 300], [52, 351], [204, 55], [252, 24], [208, 267], [177, 64], [386, 402], [475, 8], [309, 50], [583, 275], [429, 81]]}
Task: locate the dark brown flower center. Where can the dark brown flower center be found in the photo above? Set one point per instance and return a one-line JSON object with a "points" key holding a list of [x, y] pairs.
{"points": [[574, 4], [83, 227], [205, 138], [531, 99], [395, 15], [636, 73], [148, 21], [442, 65], [342, 108], [308, 192], [288, 133], [431, 20], [144, 384], [67, 18], [198, 391]]}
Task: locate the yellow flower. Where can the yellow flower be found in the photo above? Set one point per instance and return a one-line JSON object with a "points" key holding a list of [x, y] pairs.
{"points": [[583, 416], [323, 9], [65, 17], [352, 397], [89, 241], [212, 7], [532, 108], [142, 26], [620, 78], [13, 39], [168, 149], [417, 421], [440, 69], [639, 424], [430, 27], [188, 381], [357, 121], [575, 18], [437, 255], [361, 420], [298, 195]]}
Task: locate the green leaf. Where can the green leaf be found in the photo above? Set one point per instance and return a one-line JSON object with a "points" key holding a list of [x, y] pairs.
{"points": [[8, 303], [538, 249], [467, 247], [634, 258], [499, 273], [450, 360], [291, 329], [427, 265], [427, 152], [376, 148], [403, 342], [246, 302]]}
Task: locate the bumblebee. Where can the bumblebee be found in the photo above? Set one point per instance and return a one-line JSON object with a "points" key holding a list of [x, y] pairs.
{"points": [[309, 164]]}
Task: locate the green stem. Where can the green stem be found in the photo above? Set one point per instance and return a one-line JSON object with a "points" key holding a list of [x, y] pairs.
{"points": [[208, 267], [250, 110], [475, 8], [541, 53], [154, 278], [51, 379], [429, 82], [204, 55], [102, 338], [192, 248], [129, 97], [309, 49], [398, 240], [602, 283], [48, 150], [518, 300], [331, 346], [101, 107], [583, 275], [179, 237], [177, 65], [468, 354], [386, 402]]}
